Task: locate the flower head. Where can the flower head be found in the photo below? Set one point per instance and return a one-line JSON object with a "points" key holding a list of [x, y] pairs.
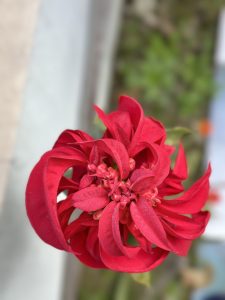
{"points": [[115, 213]]}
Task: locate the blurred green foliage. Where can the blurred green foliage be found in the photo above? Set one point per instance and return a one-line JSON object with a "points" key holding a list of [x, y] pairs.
{"points": [[172, 80], [168, 65]]}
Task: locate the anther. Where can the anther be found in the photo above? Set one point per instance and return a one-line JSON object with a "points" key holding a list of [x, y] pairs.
{"points": [[132, 164]]}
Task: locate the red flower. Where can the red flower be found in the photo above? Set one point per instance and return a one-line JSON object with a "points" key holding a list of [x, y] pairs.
{"points": [[115, 213]]}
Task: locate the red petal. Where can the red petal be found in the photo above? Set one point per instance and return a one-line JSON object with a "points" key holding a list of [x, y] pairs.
{"points": [[145, 179], [142, 262], [83, 221], [193, 199], [64, 210], [180, 169], [152, 131], [105, 233], [180, 246], [118, 125], [67, 184], [182, 226], [78, 234], [85, 181], [149, 224], [41, 193], [107, 122], [118, 152], [90, 199], [72, 136], [128, 251], [130, 105], [78, 243]]}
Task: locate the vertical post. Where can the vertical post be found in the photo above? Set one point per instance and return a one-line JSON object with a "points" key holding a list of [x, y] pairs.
{"points": [[31, 269]]}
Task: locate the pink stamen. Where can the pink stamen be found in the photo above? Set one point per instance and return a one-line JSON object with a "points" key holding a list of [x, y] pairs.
{"points": [[97, 214], [132, 164], [91, 168]]}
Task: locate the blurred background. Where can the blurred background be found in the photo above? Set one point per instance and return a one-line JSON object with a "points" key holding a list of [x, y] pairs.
{"points": [[59, 57]]}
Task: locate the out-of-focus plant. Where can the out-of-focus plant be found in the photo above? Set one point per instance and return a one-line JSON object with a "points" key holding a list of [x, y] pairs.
{"points": [[168, 63], [172, 78]]}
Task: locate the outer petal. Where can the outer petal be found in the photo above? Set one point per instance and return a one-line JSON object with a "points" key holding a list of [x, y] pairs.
{"points": [[180, 246], [183, 226], [67, 184], [172, 185], [41, 193], [149, 224], [118, 125], [90, 199], [81, 234], [180, 169], [193, 199], [142, 262], [68, 137], [130, 105], [79, 244], [153, 131]]}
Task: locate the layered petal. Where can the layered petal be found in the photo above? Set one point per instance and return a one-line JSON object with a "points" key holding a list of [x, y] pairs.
{"points": [[41, 193], [105, 233], [193, 200], [142, 262], [118, 125], [146, 178], [118, 152], [149, 224], [90, 199], [127, 251]]}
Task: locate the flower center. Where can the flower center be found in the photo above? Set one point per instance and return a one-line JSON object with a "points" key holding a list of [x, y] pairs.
{"points": [[107, 177], [118, 190]]}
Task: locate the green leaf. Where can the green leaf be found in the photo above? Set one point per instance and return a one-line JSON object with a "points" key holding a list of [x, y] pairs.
{"points": [[142, 278], [174, 135]]}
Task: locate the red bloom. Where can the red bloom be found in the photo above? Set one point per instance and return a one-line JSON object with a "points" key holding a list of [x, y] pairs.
{"points": [[115, 213]]}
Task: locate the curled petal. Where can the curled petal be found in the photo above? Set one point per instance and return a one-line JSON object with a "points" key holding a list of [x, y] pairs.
{"points": [[142, 262], [130, 105], [180, 246], [64, 210], [118, 125], [90, 199], [68, 137], [83, 221], [193, 199], [67, 184], [81, 234], [183, 226], [41, 193]]}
